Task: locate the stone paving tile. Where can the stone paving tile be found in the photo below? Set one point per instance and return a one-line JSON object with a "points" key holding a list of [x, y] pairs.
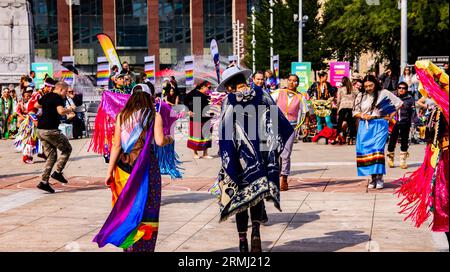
{"points": [[47, 232], [347, 196], [346, 185], [308, 184]]}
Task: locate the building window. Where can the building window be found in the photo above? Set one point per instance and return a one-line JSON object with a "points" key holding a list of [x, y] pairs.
{"points": [[174, 26], [218, 24], [131, 23], [87, 22], [174, 22], [45, 26]]}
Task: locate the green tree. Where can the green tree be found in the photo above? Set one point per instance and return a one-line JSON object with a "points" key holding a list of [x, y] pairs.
{"points": [[352, 27], [285, 38]]}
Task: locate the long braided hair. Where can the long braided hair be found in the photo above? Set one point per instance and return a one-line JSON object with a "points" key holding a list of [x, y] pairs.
{"points": [[375, 93]]}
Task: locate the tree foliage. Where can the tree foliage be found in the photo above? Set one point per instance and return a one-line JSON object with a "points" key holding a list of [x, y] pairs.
{"points": [[347, 29], [352, 27], [285, 35]]}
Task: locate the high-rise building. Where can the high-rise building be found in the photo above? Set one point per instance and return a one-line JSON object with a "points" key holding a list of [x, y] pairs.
{"points": [[168, 29]]}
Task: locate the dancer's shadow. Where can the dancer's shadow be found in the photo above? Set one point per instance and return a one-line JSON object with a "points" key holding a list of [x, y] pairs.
{"points": [[27, 174], [306, 171], [298, 219], [85, 157], [330, 242], [185, 198]]}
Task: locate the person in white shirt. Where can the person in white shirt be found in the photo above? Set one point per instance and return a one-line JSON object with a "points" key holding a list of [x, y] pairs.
{"points": [[375, 107]]}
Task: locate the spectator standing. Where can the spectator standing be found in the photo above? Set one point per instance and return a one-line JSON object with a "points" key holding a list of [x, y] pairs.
{"points": [[402, 127], [389, 80], [6, 110], [345, 100]]}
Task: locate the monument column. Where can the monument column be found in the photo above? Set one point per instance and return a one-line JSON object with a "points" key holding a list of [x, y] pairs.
{"points": [[15, 42]]}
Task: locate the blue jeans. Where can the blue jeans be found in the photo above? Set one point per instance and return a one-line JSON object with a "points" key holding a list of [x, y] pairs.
{"points": [[327, 121]]}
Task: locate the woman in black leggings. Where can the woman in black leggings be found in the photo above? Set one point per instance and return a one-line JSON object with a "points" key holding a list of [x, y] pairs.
{"points": [[345, 100]]}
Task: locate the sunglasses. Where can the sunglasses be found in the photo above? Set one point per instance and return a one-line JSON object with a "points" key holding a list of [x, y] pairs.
{"points": [[403, 88]]}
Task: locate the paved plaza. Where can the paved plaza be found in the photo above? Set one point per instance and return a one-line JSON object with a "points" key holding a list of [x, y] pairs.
{"points": [[328, 208]]}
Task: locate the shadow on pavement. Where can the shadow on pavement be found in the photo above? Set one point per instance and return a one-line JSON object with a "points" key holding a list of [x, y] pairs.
{"points": [[331, 242], [185, 198], [22, 174], [302, 172], [300, 220], [85, 157]]}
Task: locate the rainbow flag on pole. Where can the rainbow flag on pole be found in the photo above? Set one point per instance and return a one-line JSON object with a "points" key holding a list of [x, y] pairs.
{"points": [[66, 74], [149, 68], [102, 71], [189, 70], [276, 68]]}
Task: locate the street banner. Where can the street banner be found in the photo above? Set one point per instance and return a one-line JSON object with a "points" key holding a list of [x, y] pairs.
{"points": [[303, 71], [189, 70], [66, 74], [276, 68], [232, 60], [338, 70], [149, 68], [109, 50], [215, 53], [102, 71], [41, 69]]}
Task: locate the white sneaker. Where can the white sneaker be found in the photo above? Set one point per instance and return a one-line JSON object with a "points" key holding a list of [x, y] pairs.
{"points": [[371, 185], [380, 184]]}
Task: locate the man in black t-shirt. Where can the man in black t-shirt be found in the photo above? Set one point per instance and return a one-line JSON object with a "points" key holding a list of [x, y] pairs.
{"points": [[52, 105]]}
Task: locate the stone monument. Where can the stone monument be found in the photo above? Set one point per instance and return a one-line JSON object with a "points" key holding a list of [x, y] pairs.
{"points": [[15, 40]]}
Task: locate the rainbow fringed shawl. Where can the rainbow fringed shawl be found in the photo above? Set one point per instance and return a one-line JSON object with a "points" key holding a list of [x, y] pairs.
{"points": [[109, 108], [126, 223]]}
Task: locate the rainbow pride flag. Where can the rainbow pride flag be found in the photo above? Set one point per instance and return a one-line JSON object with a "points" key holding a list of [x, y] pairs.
{"points": [[67, 76], [189, 70], [124, 225], [102, 71]]}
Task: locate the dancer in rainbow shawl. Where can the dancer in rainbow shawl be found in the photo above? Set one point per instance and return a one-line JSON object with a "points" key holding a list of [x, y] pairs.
{"points": [[425, 191], [133, 175]]}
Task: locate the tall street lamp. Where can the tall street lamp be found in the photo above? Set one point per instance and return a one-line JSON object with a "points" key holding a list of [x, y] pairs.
{"points": [[404, 35], [271, 33], [301, 19], [300, 31]]}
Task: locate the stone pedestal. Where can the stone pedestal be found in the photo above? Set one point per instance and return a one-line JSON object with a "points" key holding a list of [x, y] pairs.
{"points": [[14, 40]]}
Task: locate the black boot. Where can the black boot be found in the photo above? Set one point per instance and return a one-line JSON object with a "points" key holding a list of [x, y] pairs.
{"points": [[243, 243], [256, 238]]}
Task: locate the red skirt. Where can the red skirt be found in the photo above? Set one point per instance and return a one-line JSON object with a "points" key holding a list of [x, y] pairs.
{"points": [[199, 136]]}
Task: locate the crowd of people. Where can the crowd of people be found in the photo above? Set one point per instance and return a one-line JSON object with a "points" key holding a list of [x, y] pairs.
{"points": [[368, 112]]}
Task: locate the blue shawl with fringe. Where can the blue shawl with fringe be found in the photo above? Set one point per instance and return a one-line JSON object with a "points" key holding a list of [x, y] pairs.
{"points": [[251, 142]]}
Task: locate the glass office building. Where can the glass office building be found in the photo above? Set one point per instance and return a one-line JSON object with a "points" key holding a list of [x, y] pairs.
{"points": [[137, 28]]}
